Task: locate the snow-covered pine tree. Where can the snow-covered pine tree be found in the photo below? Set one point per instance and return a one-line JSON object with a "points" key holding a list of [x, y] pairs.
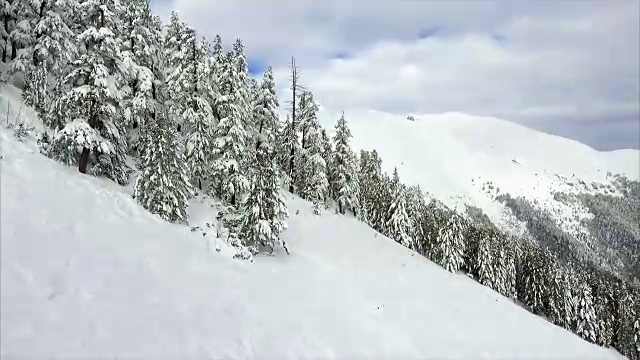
{"points": [[163, 185], [143, 56], [568, 289], [449, 248], [398, 225], [327, 152], [307, 120], [636, 337], [484, 261], [379, 193], [217, 48], [416, 205], [314, 170], [504, 265], [25, 14], [177, 41], [93, 104], [286, 139], [265, 109], [534, 278], [370, 181], [243, 86], [586, 321], [554, 297], [231, 137], [343, 180], [198, 118], [604, 311], [264, 212], [47, 52], [8, 23], [626, 315], [511, 269]]}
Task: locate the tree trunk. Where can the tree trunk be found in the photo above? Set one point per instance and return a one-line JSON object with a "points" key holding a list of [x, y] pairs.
{"points": [[84, 160], [14, 50], [6, 40], [294, 85], [200, 184], [259, 133]]}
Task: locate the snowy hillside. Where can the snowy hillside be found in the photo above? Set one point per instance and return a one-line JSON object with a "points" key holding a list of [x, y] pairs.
{"points": [[461, 159], [88, 273]]}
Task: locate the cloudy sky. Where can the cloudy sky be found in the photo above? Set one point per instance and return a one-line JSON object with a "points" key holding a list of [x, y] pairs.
{"points": [[565, 67]]}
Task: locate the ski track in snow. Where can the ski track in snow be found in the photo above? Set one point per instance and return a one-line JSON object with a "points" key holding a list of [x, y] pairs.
{"points": [[87, 273]]}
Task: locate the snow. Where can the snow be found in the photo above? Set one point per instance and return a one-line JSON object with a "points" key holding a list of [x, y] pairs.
{"points": [[88, 273], [452, 155]]}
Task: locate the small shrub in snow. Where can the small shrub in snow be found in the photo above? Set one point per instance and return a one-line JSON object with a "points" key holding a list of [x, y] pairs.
{"points": [[20, 130]]}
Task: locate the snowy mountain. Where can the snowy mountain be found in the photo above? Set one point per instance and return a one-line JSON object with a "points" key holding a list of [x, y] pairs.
{"points": [[455, 156], [87, 272], [465, 160]]}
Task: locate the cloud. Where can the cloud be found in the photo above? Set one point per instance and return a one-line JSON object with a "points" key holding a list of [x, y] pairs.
{"points": [[563, 67]]}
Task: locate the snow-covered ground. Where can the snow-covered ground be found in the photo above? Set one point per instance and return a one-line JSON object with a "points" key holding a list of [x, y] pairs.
{"points": [[87, 273], [454, 156]]}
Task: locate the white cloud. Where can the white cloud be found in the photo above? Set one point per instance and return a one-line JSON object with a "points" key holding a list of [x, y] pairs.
{"points": [[529, 62]]}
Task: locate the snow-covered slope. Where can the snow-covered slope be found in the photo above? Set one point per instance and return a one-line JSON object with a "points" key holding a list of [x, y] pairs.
{"points": [[453, 156], [87, 273]]}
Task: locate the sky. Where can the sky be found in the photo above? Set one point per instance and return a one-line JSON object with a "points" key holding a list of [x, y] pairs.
{"points": [[569, 68]]}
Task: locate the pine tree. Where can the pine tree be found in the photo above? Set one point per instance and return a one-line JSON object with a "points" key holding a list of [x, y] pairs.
{"points": [[265, 110], [177, 43], [585, 313], [8, 12], [25, 14], [603, 305], [312, 179], [265, 211], [307, 121], [231, 137], [534, 280], [198, 117], [484, 261], [145, 63], [398, 226], [217, 49], [504, 265], [242, 86], [364, 176], [636, 337], [626, 315], [163, 185], [449, 248], [93, 103], [343, 180], [555, 294], [416, 205], [327, 152], [48, 49]]}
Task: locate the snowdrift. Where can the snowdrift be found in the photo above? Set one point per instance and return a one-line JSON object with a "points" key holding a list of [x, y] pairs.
{"points": [[88, 273]]}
